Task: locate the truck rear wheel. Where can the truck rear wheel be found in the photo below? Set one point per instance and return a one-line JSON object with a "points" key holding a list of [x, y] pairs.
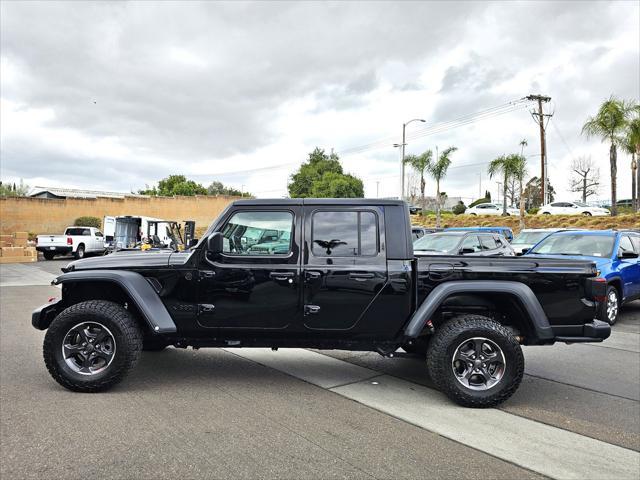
{"points": [[79, 253], [475, 361], [91, 346], [49, 255]]}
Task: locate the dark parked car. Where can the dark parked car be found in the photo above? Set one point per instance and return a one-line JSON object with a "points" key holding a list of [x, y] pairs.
{"points": [[418, 232], [463, 243], [415, 210], [335, 273], [506, 232]]}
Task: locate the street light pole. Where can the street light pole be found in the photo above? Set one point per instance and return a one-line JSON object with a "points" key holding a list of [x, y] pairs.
{"points": [[403, 144]]}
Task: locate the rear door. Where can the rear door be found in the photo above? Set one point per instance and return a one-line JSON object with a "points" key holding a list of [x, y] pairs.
{"points": [[344, 267]]}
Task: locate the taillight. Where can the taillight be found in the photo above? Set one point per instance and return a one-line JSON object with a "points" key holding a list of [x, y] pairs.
{"points": [[597, 289], [69, 241]]}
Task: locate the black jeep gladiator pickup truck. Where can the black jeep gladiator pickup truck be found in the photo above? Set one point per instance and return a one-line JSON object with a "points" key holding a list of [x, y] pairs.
{"points": [[324, 274]]}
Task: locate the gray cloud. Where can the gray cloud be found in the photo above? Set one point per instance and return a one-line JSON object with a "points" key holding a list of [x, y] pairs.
{"points": [[200, 82]]}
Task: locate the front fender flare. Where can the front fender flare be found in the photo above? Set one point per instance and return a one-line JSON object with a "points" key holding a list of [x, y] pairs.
{"points": [[522, 292], [136, 287]]}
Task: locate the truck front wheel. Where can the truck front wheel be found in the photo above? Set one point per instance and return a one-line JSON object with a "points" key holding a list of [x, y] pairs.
{"points": [[475, 361], [92, 345]]}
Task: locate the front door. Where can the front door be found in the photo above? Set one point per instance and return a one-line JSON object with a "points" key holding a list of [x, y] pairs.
{"points": [[345, 266], [254, 284]]}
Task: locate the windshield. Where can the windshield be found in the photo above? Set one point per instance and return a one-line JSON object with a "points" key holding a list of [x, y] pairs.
{"points": [[434, 242], [576, 244], [529, 238]]}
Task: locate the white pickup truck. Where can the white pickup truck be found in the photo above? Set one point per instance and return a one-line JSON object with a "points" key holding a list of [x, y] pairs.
{"points": [[76, 240]]}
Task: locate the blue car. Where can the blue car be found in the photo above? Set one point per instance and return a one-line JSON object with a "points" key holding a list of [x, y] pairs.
{"points": [[615, 254], [506, 232]]}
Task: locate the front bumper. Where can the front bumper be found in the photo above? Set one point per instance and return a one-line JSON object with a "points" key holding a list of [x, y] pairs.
{"points": [[594, 331], [42, 316]]}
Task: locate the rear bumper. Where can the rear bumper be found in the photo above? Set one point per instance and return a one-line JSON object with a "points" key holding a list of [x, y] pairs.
{"points": [[54, 249], [595, 331]]}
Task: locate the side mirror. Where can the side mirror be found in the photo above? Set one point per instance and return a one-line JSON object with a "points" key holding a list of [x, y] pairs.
{"points": [[628, 254], [192, 243], [215, 243], [524, 250], [465, 251]]}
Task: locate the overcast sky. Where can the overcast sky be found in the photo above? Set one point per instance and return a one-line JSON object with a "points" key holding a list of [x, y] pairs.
{"points": [[118, 95]]}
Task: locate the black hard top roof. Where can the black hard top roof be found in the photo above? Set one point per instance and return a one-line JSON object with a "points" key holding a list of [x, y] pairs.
{"points": [[319, 201]]}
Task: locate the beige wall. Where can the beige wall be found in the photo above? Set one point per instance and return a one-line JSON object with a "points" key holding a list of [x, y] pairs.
{"points": [[39, 215]]}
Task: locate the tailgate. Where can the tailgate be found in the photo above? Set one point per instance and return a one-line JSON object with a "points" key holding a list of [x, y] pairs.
{"points": [[53, 241]]}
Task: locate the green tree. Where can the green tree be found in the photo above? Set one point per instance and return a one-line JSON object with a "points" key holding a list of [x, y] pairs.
{"points": [[218, 188], [632, 146], [609, 124], [420, 163], [519, 174], [438, 170], [88, 221], [176, 185], [13, 190], [322, 176], [507, 165]]}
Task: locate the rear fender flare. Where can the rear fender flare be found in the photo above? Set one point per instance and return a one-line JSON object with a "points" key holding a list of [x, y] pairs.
{"points": [[136, 287], [531, 305]]}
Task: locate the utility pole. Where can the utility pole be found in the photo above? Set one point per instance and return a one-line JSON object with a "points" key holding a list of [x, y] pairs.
{"points": [[402, 145], [480, 185], [377, 189], [539, 117]]}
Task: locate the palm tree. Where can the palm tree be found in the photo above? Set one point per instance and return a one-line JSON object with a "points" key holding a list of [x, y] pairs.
{"points": [[438, 170], [609, 124], [507, 165], [632, 143], [519, 174], [523, 143], [420, 163]]}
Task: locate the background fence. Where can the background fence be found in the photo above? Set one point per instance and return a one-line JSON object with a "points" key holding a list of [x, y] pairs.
{"points": [[40, 215]]}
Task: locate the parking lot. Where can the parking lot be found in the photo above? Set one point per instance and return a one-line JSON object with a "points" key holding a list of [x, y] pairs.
{"points": [[310, 414]]}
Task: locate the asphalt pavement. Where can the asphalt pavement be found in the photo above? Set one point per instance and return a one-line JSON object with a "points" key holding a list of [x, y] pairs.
{"points": [[254, 413]]}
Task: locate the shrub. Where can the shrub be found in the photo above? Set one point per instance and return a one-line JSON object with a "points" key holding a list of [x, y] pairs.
{"points": [[533, 211], [459, 209], [88, 222]]}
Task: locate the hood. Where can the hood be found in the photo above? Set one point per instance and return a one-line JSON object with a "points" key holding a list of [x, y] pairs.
{"points": [[121, 260], [599, 261]]}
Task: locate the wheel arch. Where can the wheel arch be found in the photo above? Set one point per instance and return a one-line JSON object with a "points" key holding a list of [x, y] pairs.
{"points": [[123, 286], [514, 299]]}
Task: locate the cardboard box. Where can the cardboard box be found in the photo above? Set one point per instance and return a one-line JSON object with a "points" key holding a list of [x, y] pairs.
{"points": [[12, 251], [24, 235], [6, 238], [20, 242], [30, 252], [5, 244]]}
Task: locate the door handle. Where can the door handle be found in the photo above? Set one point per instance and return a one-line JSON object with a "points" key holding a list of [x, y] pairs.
{"points": [[311, 309], [361, 276], [207, 274], [311, 275], [281, 275]]}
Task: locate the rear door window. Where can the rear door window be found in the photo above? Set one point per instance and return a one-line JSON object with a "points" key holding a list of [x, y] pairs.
{"points": [[472, 242], [344, 233], [488, 242]]}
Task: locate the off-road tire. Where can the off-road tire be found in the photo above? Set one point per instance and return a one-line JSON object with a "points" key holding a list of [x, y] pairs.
{"points": [[126, 333], [153, 345], [48, 255], [80, 252], [442, 347]]}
